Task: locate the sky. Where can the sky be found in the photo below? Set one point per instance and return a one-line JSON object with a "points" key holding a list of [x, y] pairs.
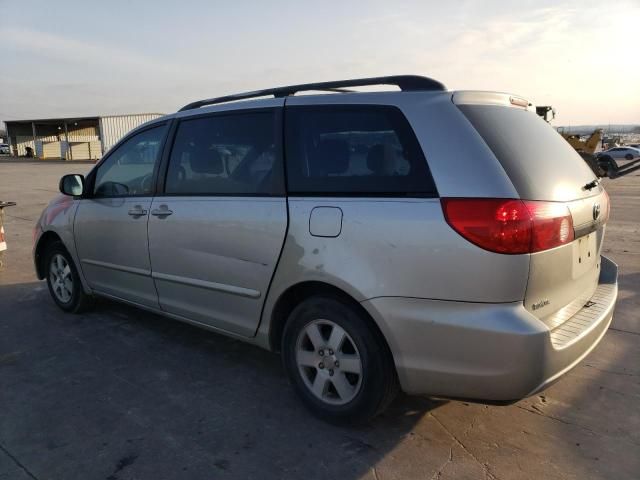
{"points": [[71, 58]]}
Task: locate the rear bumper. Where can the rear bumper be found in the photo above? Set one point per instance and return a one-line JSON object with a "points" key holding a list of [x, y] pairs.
{"points": [[495, 352]]}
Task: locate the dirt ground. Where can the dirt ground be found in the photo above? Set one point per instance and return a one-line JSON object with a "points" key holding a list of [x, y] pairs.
{"points": [[118, 393]]}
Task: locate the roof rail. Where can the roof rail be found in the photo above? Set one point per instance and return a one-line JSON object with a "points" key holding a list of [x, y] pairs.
{"points": [[404, 82]]}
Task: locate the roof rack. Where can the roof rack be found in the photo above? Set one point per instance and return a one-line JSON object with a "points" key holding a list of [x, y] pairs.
{"points": [[404, 82]]}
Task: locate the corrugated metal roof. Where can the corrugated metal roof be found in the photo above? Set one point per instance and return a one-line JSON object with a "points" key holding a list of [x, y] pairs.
{"points": [[52, 120]]}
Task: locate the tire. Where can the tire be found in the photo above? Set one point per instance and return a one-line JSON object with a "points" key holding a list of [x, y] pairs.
{"points": [[608, 164], [63, 280], [628, 156], [612, 170], [315, 370]]}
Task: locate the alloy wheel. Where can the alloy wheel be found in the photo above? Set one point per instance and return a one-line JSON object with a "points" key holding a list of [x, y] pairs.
{"points": [[329, 362], [61, 278]]}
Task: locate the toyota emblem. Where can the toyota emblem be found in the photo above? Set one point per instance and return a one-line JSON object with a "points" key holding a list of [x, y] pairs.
{"points": [[596, 211]]}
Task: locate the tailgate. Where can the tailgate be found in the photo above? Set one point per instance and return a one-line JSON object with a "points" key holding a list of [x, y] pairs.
{"points": [[567, 277]]}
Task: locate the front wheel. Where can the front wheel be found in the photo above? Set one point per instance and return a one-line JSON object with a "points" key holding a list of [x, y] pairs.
{"points": [[63, 280], [339, 364]]}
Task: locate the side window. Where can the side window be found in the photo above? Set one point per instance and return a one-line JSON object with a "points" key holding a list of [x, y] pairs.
{"points": [[128, 171], [351, 150], [226, 154]]}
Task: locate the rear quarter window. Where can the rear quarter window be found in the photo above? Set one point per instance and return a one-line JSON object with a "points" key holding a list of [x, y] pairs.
{"points": [[540, 163], [354, 150]]}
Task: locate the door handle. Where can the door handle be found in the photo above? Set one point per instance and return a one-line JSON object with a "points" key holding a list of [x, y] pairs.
{"points": [[162, 212], [137, 211]]}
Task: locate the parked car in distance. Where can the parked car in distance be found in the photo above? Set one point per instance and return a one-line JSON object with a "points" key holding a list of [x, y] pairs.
{"points": [[4, 149], [612, 159], [443, 243], [621, 153]]}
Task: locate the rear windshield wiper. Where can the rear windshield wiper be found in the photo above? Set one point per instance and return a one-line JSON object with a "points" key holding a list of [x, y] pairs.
{"points": [[591, 185]]}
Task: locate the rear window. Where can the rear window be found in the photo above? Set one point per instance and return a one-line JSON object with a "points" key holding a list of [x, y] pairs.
{"points": [[540, 163], [354, 150]]}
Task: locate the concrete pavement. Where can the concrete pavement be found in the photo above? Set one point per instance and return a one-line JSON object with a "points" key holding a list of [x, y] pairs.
{"points": [[119, 393]]}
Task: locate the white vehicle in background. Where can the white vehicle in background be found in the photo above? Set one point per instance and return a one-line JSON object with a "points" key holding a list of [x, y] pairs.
{"points": [[4, 149], [622, 153], [618, 161]]}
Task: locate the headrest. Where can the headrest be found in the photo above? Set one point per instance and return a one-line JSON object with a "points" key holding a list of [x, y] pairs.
{"points": [[205, 160], [330, 156], [381, 159]]}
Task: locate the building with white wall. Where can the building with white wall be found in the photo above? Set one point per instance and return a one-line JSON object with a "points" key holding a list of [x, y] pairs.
{"points": [[72, 138]]}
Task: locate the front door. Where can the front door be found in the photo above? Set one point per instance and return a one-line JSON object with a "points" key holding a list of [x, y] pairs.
{"points": [[111, 226], [216, 233]]}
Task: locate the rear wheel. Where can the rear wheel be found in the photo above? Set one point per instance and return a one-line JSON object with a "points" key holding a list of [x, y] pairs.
{"points": [[63, 280], [340, 366], [628, 156]]}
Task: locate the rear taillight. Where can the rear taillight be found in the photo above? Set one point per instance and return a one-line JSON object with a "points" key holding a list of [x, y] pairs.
{"points": [[510, 226]]}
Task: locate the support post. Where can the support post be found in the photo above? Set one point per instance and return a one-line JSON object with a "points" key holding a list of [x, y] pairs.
{"points": [[66, 138], [33, 133], [101, 136]]}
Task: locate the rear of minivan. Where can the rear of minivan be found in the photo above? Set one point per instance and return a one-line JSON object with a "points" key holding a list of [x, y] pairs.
{"points": [[556, 219], [565, 207]]}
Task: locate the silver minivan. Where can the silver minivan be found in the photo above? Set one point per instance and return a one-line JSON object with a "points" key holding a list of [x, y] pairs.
{"points": [[443, 243]]}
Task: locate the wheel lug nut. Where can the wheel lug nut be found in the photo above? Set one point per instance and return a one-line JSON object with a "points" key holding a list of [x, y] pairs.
{"points": [[337, 363], [321, 353], [331, 372], [330, 352], [321, 365]]}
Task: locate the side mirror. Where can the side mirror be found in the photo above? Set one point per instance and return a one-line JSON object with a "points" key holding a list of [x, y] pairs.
{"points": [[72, 185]]}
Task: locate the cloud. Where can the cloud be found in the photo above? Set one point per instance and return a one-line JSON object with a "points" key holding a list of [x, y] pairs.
{"points": [[567, 56]]}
